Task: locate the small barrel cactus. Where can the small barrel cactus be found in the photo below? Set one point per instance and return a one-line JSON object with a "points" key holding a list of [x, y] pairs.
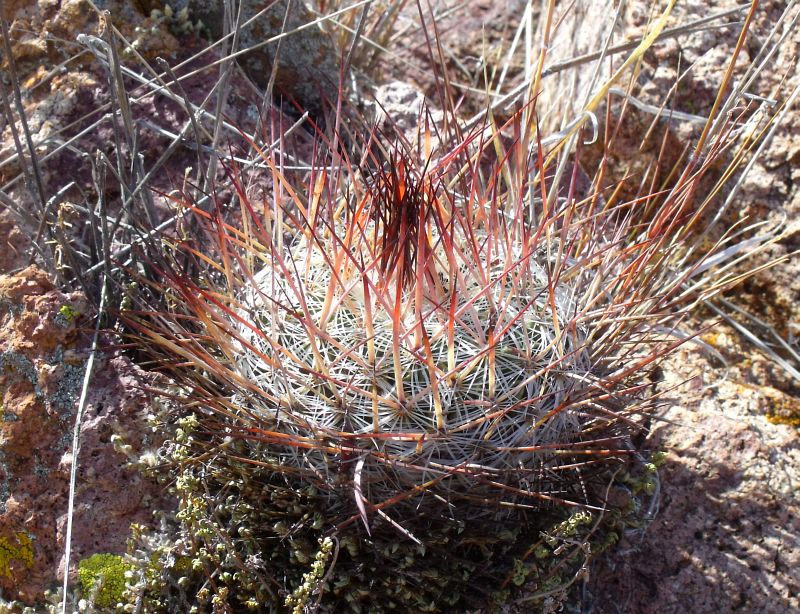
{"points": [[416, 347], [437, 360]]}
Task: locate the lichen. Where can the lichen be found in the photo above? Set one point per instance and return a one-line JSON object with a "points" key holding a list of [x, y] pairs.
{"points": [[9, 552], [102, 578], [5, 489], [20, 367], [784, 410], [6, 306], [68, 386]]}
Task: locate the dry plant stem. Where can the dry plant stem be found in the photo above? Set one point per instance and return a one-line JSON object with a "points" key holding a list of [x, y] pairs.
{"points": [[567, 151], [73, 478], [769, 49], [598, 97], [783, 111], [713, 121], [120, 98], [534, 79], [34, 170], [231, 23], [668, 114], [159, 230], [675, 31], [362, 20], [765, 347], [99, 176], [273, 75], [29, 183]]}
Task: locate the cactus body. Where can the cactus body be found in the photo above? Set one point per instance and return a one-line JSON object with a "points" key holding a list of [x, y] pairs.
{"points": [[484, 359]]}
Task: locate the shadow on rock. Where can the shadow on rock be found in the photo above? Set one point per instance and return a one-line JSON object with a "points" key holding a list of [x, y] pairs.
{"points": [[726, 535]]}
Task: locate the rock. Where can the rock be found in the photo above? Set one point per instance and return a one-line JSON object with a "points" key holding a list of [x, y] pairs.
{"points": [[35, 26], [401, 109], [307, 60], [44, 345], [726, 534]]}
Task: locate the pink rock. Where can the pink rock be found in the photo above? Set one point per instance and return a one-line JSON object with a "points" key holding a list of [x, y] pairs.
{"points": [[40, 389]]}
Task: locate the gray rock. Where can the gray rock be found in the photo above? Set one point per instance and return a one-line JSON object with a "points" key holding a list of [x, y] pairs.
{"points": [[307, 61]]}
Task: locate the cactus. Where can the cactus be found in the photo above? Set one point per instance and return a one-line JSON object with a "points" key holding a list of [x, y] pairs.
{"points": [[418, 353], [454, 359], [433, 355]]}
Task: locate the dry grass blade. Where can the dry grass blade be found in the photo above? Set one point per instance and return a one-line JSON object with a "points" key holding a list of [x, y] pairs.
{"points": [[76, 444]]}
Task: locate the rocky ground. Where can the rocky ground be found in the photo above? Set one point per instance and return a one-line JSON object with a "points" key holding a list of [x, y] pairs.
{"points": [[727, 534], [44, 346]]}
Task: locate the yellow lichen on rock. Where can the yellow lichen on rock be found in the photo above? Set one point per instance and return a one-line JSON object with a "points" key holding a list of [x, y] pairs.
{"points": [[15, 557]]}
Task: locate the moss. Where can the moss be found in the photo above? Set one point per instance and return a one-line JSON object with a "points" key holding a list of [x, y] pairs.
{"points": [[102, 577], [658, 458], [520, 572], [567, 529], [66, 316], [22, 551], [299, 599], [610, 539]]}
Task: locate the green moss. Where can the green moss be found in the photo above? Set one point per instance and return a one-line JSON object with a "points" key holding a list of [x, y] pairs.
{"points": [[658, 458], [102, 576], [568, 528], [645, 479], [610, 539], [22, 551], [67, 315], [520, 572]]}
